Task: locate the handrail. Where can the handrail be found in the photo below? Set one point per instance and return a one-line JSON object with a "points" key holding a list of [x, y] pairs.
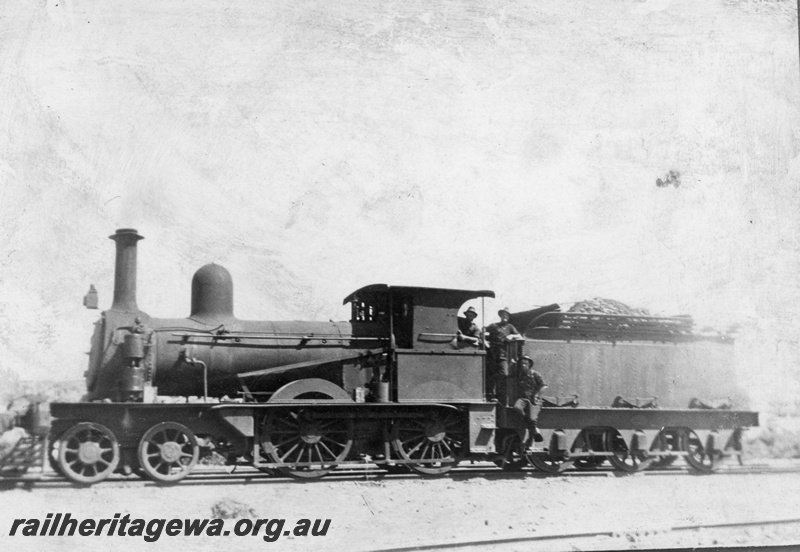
{"points": [[306, 337]]}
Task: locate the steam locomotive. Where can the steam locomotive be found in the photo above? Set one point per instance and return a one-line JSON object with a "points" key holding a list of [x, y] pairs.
{"points": [[391, 386]]}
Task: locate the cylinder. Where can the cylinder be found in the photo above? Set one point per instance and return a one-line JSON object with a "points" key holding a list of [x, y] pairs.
{"points": [[125, 270]]}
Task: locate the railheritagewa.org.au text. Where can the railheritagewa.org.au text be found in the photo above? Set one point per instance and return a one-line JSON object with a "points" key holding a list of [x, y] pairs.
{"points": [[64, 525]]}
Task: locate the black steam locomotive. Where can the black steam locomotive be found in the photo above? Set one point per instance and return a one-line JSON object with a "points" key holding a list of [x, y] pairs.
{"points": [[392, 387]]}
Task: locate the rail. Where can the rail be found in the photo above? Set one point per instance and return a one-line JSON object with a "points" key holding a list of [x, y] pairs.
{"points": [[486, 543], [354, 471]]}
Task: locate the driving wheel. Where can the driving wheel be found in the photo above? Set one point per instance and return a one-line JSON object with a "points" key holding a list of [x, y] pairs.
{"points": [[433, 444], [310, 443]]}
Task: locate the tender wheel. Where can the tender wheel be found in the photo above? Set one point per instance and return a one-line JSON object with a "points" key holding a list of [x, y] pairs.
{"points": [[594, 440], [313, 445], [512, 457], [662, 463], [168, 452], [664, 442], [589, 464], [87, 453], [622, 458], [434, 444], [696, 455], [545, 463]]}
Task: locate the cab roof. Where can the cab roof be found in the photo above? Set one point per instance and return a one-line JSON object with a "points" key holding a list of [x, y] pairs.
{"points": [[458, 296]]}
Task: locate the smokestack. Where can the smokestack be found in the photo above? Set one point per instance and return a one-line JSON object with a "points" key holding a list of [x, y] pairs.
{"points": [[125, 270]]}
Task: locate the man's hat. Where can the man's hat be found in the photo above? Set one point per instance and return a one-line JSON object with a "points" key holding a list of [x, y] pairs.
{"points": [[505, 310], [471, 311]]}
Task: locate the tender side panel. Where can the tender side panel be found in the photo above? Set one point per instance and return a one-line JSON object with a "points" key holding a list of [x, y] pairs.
{"points": [[675, 372]]}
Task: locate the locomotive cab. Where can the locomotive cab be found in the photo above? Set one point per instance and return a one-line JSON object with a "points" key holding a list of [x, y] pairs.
{"points": [[422, 324]]}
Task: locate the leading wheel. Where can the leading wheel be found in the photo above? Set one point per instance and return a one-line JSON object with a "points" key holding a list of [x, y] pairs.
{"points": [[433, 444], [622, 458], [87, 453], [311, 444], [697, 457], [168, 452]]}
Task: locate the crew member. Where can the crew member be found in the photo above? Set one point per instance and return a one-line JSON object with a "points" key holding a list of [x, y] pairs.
{"points": [[531, 384], [500, 334], [468, 332]]}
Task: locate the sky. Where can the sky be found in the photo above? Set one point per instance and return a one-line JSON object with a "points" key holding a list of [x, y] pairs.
{"points": [[313, 148]]}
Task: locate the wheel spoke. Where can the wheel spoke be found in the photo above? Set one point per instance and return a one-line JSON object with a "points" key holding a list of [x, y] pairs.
{"points": [[430, 444], [86, 453], [168, 452], [291, 450], [291, 439], [327, 450], [337, 443], [300, 452], [413, 450], [296, 437], [449, 450], [414, 438], [291, 424]]}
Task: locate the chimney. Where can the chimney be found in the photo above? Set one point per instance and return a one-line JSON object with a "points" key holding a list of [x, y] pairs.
{"points": [[125, 270]]}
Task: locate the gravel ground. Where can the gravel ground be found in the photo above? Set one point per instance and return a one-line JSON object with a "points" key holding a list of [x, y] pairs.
{"points": [[407, 511]]}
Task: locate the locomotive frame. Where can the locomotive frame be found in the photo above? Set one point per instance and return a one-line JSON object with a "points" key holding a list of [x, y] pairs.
{"points": [[392, 387]]}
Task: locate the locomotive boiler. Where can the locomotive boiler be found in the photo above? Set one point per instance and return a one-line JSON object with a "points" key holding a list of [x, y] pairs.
{"points": [[393, 386], [211, 353]]}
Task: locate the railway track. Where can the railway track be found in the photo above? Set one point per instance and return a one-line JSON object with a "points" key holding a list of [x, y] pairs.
{"points": [[555, 537], [222, 475]]}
